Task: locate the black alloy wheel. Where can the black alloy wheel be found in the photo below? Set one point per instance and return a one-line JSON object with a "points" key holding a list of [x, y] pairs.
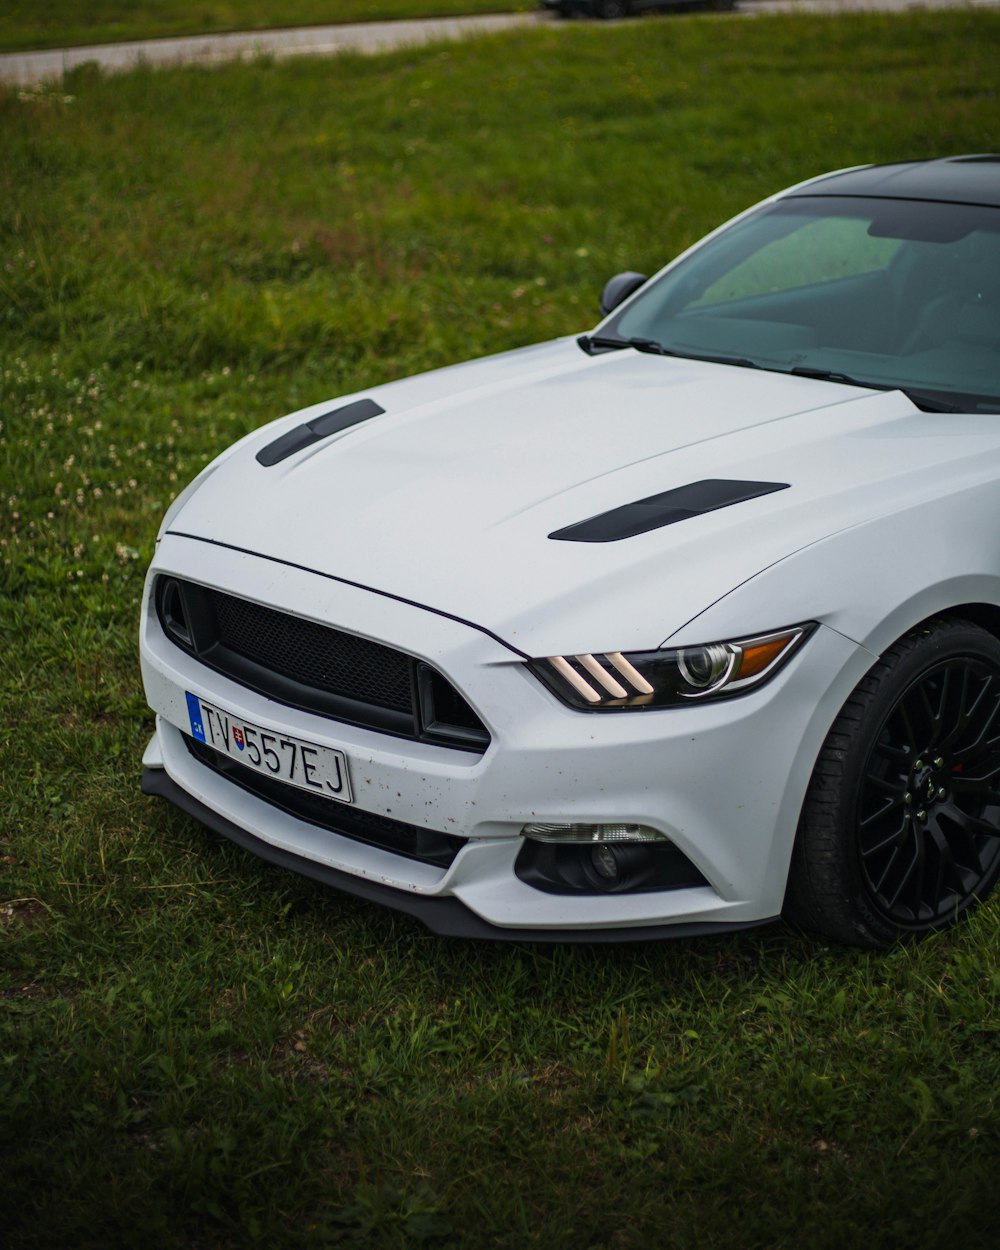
{"points": [[610, 10], [900, 831]]}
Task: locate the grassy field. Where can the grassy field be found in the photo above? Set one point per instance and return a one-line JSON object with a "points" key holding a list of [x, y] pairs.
{"points": [[199, 1051], [63, 23]]}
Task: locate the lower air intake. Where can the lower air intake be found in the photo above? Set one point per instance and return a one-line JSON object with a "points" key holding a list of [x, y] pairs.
{"points": [[411, 841]]}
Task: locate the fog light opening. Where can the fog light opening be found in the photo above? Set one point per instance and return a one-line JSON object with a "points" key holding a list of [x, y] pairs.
{"points": [[605, 863], [560, 866], [616, 868]]}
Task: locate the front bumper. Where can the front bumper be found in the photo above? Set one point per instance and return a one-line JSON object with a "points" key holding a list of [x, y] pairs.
{"points": [[445, 916], [724, 782]]}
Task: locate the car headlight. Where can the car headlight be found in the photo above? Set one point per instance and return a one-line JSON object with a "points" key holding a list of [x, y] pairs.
{"points": [[615, 681]]}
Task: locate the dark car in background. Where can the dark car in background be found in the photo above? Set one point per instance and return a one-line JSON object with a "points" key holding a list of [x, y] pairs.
{"points": [[611, 9]]}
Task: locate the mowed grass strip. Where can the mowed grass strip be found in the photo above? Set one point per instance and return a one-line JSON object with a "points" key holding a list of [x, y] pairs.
{"points": [[199, 1050], [66, 23]]}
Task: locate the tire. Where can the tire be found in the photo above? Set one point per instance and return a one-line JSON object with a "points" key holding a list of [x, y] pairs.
{"points": [[610, 10], [900, 830]]}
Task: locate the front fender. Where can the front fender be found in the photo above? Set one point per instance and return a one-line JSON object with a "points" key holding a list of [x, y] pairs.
{"points": [[874, 581]]}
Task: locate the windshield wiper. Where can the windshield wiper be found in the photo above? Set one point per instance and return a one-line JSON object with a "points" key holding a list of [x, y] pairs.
{"points": [[741, 362], [589, 341], [601, 342], [924, 400], [835, 375]]}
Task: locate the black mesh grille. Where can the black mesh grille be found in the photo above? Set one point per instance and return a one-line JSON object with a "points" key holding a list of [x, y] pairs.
{"points": [[316, 667], [426, 845], [315, 655]]}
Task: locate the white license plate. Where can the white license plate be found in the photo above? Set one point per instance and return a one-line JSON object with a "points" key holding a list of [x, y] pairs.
{"points": [[320, 770]]}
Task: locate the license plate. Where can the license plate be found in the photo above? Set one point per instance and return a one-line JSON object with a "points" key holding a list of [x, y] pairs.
{"points": [[320, 770]]}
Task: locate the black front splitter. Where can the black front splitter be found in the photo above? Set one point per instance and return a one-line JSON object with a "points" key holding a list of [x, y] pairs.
{"points": [[445, 916]]}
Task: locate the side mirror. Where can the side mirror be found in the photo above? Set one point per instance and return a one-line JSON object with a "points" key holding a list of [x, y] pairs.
{"points": [[619, 288]]}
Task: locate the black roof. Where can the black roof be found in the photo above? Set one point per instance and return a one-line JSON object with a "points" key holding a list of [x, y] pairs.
{"points": [[955, 179]]}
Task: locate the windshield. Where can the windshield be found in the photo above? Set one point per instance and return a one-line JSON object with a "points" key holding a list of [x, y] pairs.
{"points": [[887, 293]]}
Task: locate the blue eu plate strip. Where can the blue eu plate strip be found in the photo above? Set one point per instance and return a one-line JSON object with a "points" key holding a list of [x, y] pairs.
{"points": [[194, 712]]}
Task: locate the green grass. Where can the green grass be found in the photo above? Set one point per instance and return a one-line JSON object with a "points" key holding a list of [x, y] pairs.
{"points": [[197, 1050], [63, 23]]}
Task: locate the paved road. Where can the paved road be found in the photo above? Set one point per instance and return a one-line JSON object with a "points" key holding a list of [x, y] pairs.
{"points": [[28, 68], [31, 67]]}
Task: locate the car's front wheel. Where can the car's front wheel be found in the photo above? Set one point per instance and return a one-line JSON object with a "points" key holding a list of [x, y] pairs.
{"points": [[900, 830], [610, 10]]}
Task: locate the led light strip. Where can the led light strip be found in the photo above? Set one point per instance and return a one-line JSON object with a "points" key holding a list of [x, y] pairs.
{"points": [[607, 681], [629, 672], [569, 674], [614, 688]]}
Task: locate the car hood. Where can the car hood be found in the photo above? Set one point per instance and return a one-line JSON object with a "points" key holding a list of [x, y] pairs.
{"points": [[449, 497]]}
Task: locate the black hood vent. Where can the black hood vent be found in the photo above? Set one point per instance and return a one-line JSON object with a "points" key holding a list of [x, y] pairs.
{"points": [[667, 509], [318, 428]]}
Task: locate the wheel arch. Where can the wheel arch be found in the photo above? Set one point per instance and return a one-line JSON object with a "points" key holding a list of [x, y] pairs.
{"points": [[986, 615], [934, 604], [868, 586], [828, 887]]}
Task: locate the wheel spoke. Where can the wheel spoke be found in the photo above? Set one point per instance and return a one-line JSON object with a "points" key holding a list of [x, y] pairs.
{"points": [[965, 712], [933, 718], [970, 824], [978, 749], [945, 861], [978, 786], [887, 841], [877, 885], [891, 804], [980, 737], [909, 731], [942, 703], [916, 864], [883, 784]]}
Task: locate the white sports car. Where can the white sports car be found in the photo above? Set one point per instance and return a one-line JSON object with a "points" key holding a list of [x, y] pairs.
{"points": [[666, 629]]}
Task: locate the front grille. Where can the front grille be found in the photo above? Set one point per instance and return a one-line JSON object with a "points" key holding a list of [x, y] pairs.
{"points": [[316, 667], [426, 845], [314, 655]]}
